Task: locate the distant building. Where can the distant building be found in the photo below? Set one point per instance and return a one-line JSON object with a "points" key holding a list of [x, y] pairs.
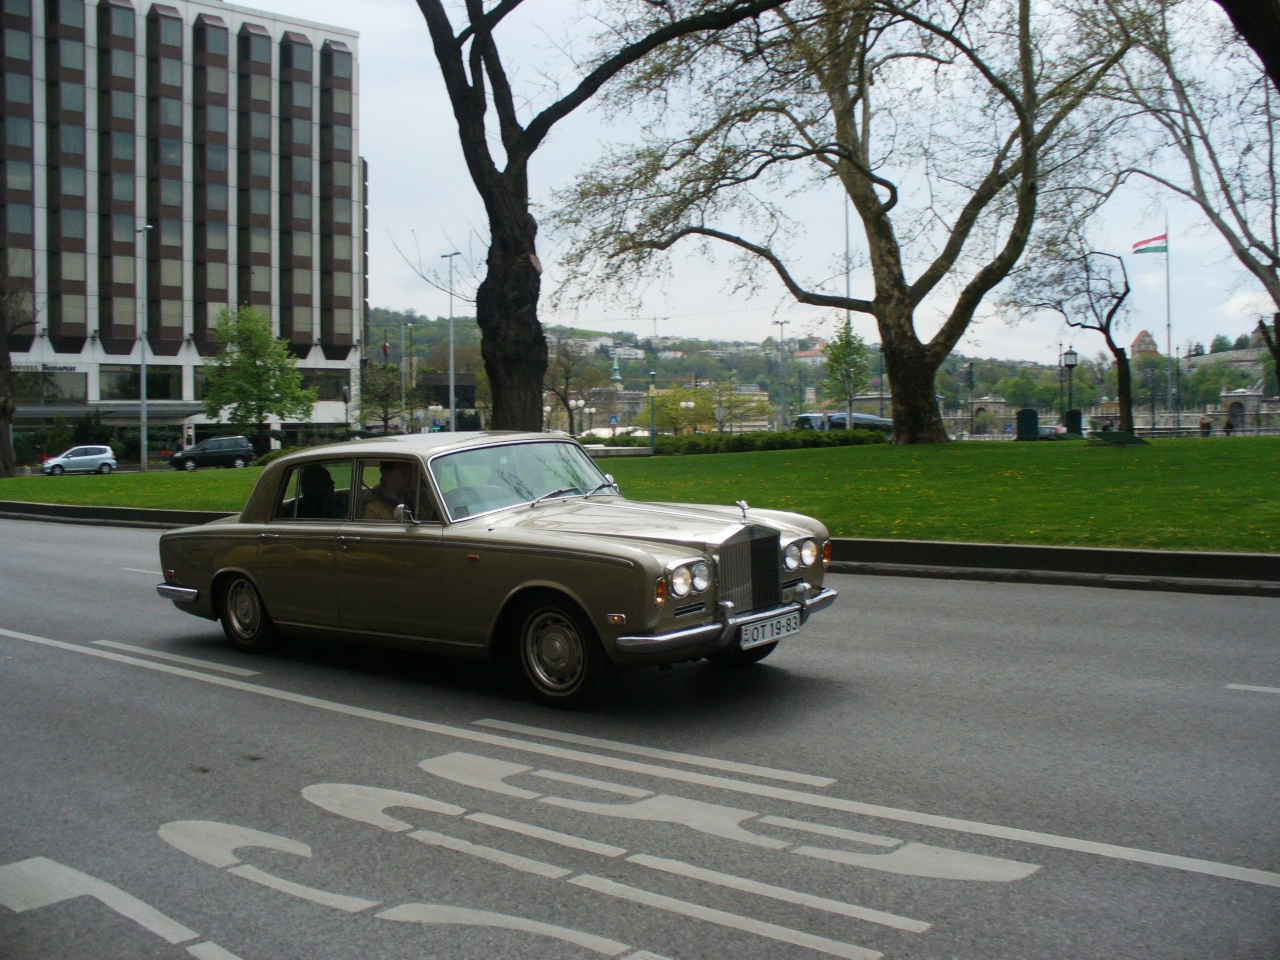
{"points": [[623, 352], [1144, 345]]}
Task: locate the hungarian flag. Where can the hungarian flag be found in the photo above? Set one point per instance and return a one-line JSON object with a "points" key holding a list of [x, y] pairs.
{"points": [[1158, 244]]}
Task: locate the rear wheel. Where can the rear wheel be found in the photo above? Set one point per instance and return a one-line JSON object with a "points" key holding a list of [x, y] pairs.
{"points": [[561, 657], [105, 468], [742, 658], [238, 462], [245, 620], [188, 464], [56, 471]]}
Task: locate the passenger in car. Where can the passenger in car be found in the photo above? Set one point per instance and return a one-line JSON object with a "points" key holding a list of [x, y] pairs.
{"points": [[317, 501], [393, 490]]}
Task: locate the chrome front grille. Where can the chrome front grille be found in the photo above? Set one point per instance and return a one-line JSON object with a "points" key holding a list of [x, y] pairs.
{"points": [[750, 570]]}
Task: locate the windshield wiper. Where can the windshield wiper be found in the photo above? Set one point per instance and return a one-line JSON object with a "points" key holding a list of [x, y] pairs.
{"points": [[602, 485], [554, 493]]}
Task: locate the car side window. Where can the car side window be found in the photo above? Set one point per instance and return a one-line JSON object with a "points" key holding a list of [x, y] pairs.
{"points": [[315, 492], [385, 485]]}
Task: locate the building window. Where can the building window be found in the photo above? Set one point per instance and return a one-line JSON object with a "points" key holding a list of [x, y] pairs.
{"points": [[259, 163], [170, 31], [260, 202], [19, 175], [122, 64], [71, 139], [215, 236], [170, 72], [71, 13], [259, 49], [122, 270], [341, 65], [341, 210], [260, 88], [212, 119], [20, 218], [122, 146], [260, 240], [71, 54], [168, 152], [170, 273], [301, 245], [123, 187], [215, 197], [260, 125], [17, 88], [260, 279], [122, 23], [338, 174], [124, 314], [122, 228], [212, 40], [70, 96], [211, 79], [301, 281], [301, 169], [118, 382], [339, 137], [300, 206], [300, 94], [300, 132], [296, 55], [72, 224], [337, 101], [341, 322], [170, 193], [341, 284], [19, 8], [170, 232], [71, 266], [17, 132], [123, 105], [22, 263], [17, 45], [71, 181], [340, 247], [215, 276], [169, 111], [213, 157]]}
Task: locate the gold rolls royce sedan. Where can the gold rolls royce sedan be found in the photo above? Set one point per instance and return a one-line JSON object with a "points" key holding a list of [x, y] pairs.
{"points": [[513, 546]]}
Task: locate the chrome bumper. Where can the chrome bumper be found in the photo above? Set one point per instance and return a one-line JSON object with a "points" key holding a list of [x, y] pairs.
{"points": [[808, 600], [178, 594]]}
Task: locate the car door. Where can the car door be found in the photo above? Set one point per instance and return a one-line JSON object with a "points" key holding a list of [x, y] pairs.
{"points": [[298, 567], [390, 568], [78, 459]]}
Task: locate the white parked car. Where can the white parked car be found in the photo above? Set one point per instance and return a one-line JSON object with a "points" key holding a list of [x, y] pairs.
{"points": [[86, 459]]}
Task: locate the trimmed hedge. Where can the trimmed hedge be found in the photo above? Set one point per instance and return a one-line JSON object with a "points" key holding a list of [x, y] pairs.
{"points": [[682, 445]]}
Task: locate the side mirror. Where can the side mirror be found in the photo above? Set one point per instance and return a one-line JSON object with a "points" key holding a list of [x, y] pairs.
{"points": [[613, 482], [403, 514]]}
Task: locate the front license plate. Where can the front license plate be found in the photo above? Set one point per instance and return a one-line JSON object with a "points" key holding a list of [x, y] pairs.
{"points": [[767, 631]]}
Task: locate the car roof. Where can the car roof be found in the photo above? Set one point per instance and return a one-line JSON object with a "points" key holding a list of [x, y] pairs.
{"points": [[420, 443]]}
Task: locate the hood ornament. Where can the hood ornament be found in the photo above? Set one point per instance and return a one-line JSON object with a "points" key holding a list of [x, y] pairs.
{"points": [[743, 504]]}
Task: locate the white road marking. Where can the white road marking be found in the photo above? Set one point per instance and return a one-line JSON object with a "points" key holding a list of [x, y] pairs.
{"points": [[481, 772], [759, 928], [432, 913], [713, 819], [1251, 689], [732, 882], [711, 763], [976, 828], [215, 843], [368, 804], [150, 573], [41, 882], [512, 860], [210, 951], [822, 829], [551, 836], [619, 788], [323, 897], [922, 860], [176, 658]]}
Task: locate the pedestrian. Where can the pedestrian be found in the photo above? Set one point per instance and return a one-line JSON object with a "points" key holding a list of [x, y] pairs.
{"points": [[1106, 426], [1229, 427], [1206, 426]]}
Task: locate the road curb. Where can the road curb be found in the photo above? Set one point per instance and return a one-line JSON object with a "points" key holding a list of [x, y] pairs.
{"points": [[1177, 571]]}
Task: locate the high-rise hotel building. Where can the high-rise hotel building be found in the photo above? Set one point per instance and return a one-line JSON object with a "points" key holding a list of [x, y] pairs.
{"points": [[232, 134]]}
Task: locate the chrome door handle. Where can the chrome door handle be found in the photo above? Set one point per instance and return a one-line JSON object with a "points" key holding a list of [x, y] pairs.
{"points": [[269, 536]]}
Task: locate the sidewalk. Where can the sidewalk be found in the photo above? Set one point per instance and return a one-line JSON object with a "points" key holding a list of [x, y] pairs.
{"points": [[1237, 574]]}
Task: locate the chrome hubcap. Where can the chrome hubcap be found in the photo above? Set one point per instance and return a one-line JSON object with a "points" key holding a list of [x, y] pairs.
{"points": [[242, 608], [553, 652]]}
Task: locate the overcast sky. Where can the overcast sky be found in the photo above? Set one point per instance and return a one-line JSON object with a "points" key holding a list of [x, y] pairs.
{"points": [[421, 200]]}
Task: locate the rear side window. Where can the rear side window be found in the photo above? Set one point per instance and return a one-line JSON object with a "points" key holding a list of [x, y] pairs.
{"points": [[316, 491]]}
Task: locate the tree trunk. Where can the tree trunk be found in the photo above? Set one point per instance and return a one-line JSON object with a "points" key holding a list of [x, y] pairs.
{"points": [[8, 463], [512, 344], [912, 374], [1124, 389]]}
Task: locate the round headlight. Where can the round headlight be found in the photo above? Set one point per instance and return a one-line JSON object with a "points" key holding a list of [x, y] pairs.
{"points": [[681, 581], [701, 577], [791, 556], [808, 553]]}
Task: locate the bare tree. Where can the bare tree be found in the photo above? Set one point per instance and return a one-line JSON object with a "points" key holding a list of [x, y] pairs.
{"points": [[950, 127], [1088, 289], [476, 80], [17, 320], [381, 388], [1212, 120], [572, 374]]}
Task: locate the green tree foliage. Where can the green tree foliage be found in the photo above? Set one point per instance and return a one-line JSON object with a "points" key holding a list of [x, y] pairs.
{"points": [[848, 366], [1206, 384], [1220, 344], [253, 375], [380, 389]]}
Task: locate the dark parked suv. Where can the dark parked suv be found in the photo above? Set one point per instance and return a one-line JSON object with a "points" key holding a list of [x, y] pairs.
{"points": [[214, 452]]}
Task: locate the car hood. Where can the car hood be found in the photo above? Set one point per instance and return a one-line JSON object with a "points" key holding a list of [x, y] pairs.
{"points": [[653, 522]]}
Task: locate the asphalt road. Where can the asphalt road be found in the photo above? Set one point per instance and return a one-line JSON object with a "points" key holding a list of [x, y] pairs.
{"points": [[933, 769]]}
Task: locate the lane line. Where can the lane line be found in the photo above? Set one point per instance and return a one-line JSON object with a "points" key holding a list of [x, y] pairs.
{"points": [[1111, 851], [759, 928], [732, 882], [512, 860], [619, 788], [323, 897], [150, 573], [551, 836], [176, 658], [727, 766], [1251, 689], [823, 830], [210, 951]]}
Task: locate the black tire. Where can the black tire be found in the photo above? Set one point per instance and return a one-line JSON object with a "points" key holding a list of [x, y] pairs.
{"points": [[744, 658], [244, 617], [561, 660], [55, 471], [238, 462], [105, 468], [188, 464]]}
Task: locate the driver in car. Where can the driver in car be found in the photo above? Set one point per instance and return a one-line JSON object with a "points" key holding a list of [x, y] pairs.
{"points": [[393, 490]]}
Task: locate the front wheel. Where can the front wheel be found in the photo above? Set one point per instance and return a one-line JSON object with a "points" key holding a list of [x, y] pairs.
{"points": [[56, 471], [188, 465], [561, 657], [245, 620], [238, 462], [105, 468]]}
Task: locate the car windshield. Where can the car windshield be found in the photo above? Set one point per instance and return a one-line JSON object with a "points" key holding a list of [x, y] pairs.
{"points": [[490, 478]]}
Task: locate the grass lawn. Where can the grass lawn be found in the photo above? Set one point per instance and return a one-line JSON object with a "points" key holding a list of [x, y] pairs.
{"points": [[1189, 494]]}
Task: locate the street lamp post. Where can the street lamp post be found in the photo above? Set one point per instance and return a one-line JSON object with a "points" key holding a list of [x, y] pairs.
{"points": [[782, 372], [546, 416], [653, 411], [575, 405], [142, 344], [591, 418], [1069, 360], [453, 413], [687, 405], [404, 372]]}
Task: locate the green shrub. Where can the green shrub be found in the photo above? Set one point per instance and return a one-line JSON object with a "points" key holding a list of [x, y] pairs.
{"points": [[688, 444], [270, 455]]}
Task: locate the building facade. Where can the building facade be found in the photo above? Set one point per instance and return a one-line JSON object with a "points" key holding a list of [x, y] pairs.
{"points": [[163, 162]]}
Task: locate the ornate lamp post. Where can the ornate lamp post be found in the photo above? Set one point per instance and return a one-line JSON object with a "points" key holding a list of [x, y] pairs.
{"points": [[653, 412], [141, 232], [453, 413], [1069, 360]]}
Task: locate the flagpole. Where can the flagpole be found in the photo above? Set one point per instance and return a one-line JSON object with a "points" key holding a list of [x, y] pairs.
{"points": [[1168, 319]]}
